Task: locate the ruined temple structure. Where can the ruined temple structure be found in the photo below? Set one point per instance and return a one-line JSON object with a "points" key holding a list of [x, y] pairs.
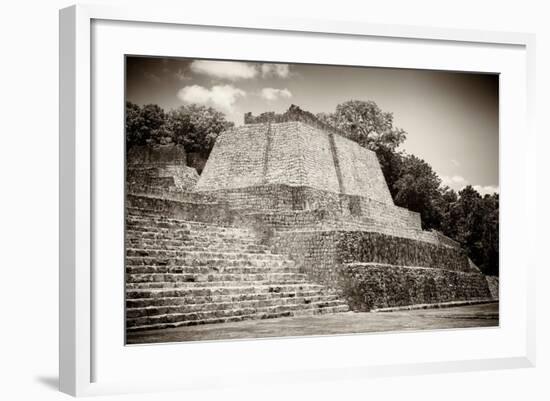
{"points": [[158, 169], [287, 218]]}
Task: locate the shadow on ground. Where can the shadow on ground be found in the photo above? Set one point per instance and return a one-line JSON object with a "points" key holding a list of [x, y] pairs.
{"points": [[50, 382]]}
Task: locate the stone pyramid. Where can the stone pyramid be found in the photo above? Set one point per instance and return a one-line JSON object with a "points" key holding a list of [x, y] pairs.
{"points": [[293, 161], [287, 218]]}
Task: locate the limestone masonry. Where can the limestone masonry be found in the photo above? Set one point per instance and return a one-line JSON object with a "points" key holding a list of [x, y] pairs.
{"points": [[158, 169], [288, 217]]}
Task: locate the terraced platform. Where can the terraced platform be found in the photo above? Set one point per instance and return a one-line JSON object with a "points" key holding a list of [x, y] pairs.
{"points": [[181, 273]]}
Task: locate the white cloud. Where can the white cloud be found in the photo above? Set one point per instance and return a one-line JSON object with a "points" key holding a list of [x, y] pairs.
{"points": [[456, 163], [274, 94], [276, 70], [221, 97], [235, 70], [486, 189], [458, 182], [231, 70]]}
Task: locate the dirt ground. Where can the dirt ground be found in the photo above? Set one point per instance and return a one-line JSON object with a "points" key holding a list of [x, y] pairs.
{"points": [[484, 315]]}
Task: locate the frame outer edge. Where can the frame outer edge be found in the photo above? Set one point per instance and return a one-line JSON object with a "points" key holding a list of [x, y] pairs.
{"points": [[67, 114], [530, 50], [74, 201], [75, 340]]}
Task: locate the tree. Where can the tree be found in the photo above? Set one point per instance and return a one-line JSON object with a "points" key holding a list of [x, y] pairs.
{"points": [[447, 199], [365, 123], [143, 123], [391, 164], [473, 221], [417, 189], [490, 235], [196, 127], [193, 126]]}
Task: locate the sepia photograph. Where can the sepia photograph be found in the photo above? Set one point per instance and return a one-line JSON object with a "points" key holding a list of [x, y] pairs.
{"points": [[270, 200]]}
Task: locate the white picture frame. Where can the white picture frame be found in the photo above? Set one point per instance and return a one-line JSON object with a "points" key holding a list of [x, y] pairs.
{"points": [[82, 349]]}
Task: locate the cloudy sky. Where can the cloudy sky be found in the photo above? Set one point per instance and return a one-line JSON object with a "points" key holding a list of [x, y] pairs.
{"points": [[451, 118]]}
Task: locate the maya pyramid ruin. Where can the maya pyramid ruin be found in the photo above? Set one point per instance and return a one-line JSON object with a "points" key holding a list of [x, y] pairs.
{"points": [[288, 218]]}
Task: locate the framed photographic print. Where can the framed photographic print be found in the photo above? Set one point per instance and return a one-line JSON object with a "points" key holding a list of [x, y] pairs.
{"points": [[270, 199]]}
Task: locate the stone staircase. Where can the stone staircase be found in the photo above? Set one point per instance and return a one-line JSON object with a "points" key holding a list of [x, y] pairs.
{"points": [[182, 272]]}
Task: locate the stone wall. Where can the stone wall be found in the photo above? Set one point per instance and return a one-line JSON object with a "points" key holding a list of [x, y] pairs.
{"points": [[361, 172], [236, 160], [294, 113], [388, 213], [492, 282], [197, 209], [367, 286], [285, 197], [278, 197], [295, 154], [279, 212], [164, 179], [290, 153], [320, 253], [300, 155], [386, 249], [316, 252], [158, 169]]}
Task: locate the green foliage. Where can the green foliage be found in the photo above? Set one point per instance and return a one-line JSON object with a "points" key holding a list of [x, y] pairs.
{"points": [[417, 189], [365, 123], [142, 123], [473, 221], [390, 163], [196, 127], [193, 126]]}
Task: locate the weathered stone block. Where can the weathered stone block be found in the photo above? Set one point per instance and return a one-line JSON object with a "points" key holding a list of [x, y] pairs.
{"points": [[367, 286]]}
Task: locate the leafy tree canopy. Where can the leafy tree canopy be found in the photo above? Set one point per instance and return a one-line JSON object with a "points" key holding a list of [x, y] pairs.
{"points": [[143, 123], [417, 189], [193, 126], [196, 127], [365, 123]]}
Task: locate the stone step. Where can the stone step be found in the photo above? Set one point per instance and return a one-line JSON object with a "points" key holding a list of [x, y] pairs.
{"points": [[206, 261], [187, 273], [212, 231], [224, 281], [183, 253], [181, 235], [205, 246], [183, 273], [150, 311], [231, 289], [178, 319], [170, 224], [205, 299]]}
